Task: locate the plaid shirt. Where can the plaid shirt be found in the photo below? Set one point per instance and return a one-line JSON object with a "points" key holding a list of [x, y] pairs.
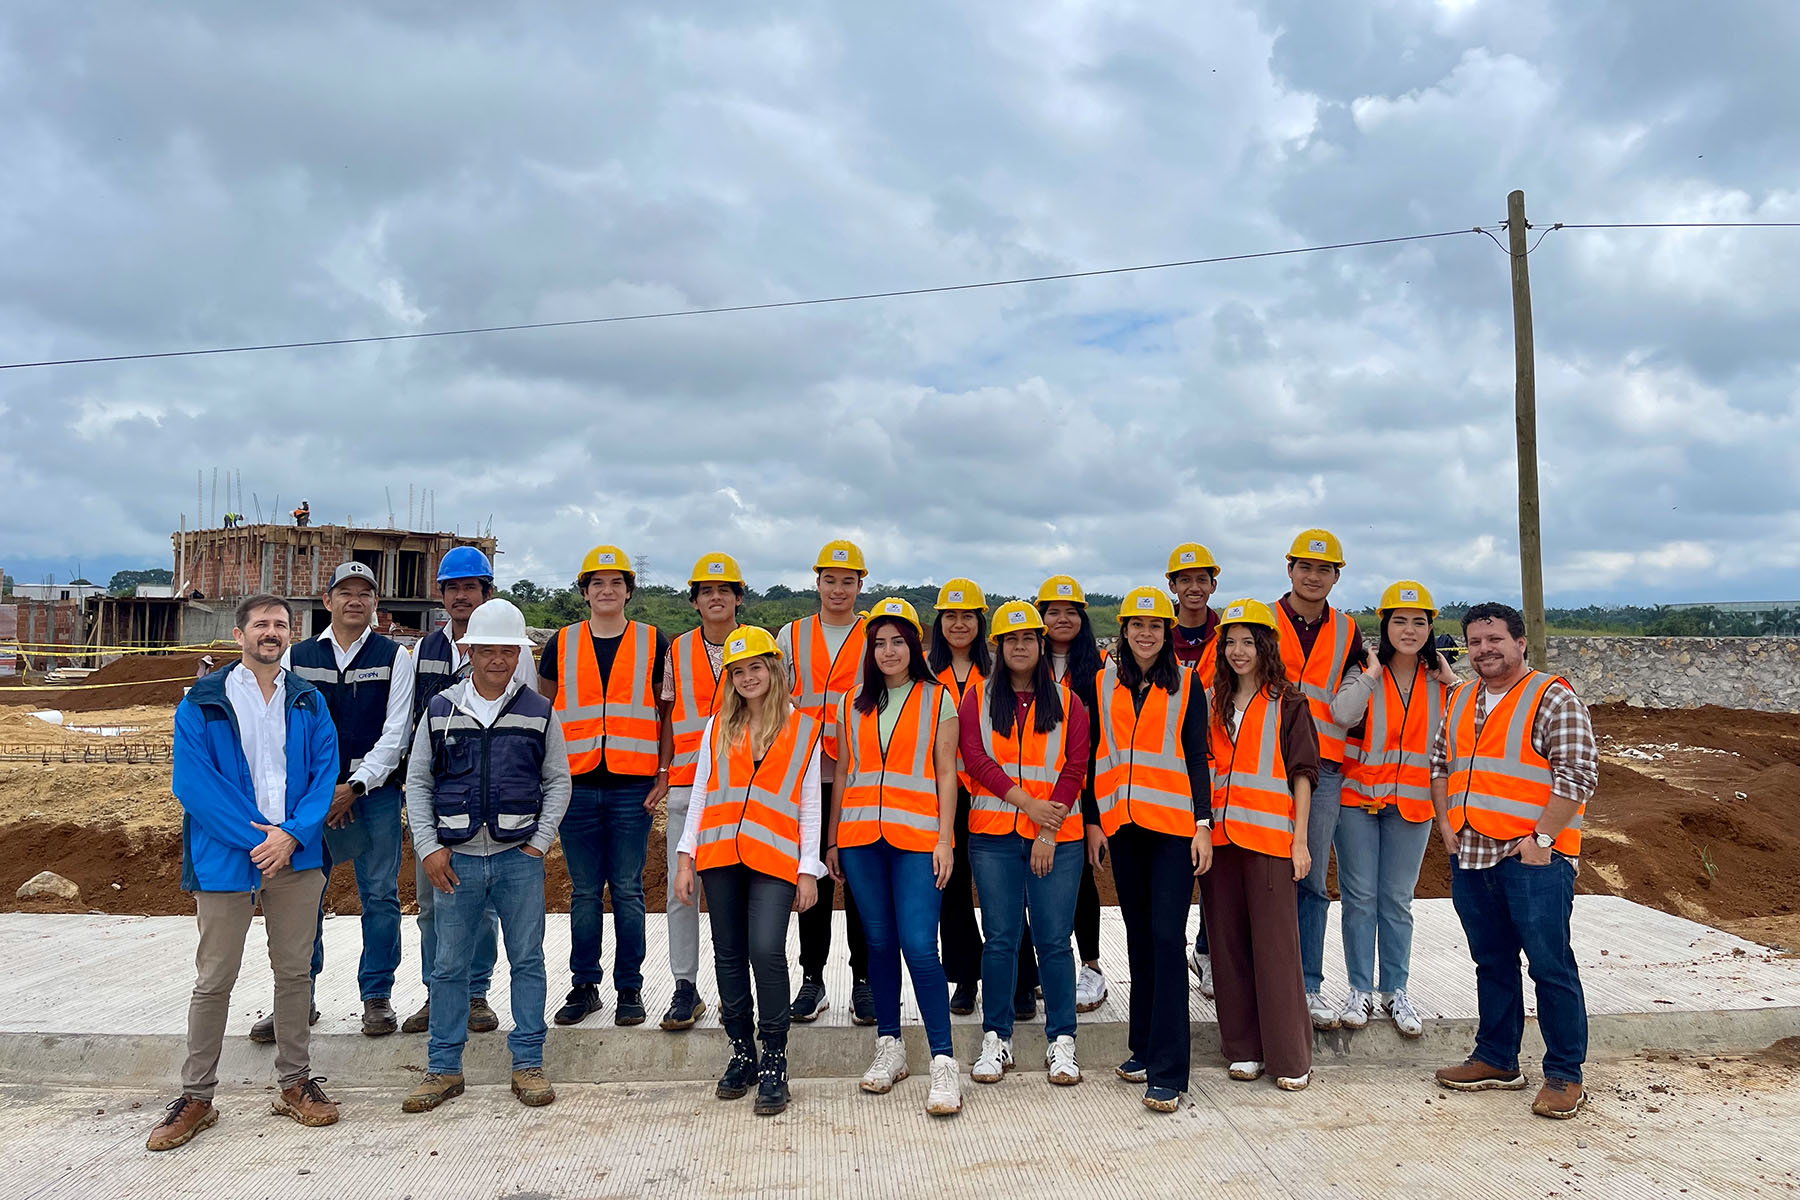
{"points": [[1562, 733]]}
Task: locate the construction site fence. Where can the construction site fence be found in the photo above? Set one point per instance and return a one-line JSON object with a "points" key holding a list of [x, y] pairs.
{"points": [[112, 751], [63, 650], [92, 687]]}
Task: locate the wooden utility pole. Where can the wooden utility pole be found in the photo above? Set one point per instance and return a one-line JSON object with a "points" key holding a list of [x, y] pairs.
{"points": [[1531, 551]]}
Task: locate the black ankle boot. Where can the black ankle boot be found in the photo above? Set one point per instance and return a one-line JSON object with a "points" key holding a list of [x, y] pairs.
{"points": [[740, 1072], [772, 1090]]}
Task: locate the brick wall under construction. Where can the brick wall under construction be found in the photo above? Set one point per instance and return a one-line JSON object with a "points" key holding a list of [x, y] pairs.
{"points": [[291, 561]]}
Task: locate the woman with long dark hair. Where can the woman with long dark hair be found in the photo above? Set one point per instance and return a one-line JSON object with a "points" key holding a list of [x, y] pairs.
{"points": [[1151, 799], [960, 659], [1074, 655], [1265, 759], [1393, 709], [1024, 740], [888, 837]]}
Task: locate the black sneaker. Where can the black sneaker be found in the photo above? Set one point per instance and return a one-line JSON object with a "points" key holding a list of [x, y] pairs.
{"points": [[630, 1010], [962, 999], [263, 1032], [685, 1008], [584, 998], [810, 1001], [862, 1003]]}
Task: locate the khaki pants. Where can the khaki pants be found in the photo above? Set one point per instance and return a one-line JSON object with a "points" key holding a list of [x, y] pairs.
{"points": [[290, 904]]}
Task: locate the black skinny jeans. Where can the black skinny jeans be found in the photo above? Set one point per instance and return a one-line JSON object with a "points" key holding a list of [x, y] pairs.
{"points": [[1154, 874], [815, 926], [749, 915], [957, 930]]}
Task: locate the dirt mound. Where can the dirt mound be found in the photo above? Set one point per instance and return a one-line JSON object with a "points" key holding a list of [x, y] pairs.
{"points": [[132, 680]]}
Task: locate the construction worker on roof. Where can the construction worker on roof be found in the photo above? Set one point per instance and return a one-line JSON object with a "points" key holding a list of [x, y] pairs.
{"points": [[303, 515]]}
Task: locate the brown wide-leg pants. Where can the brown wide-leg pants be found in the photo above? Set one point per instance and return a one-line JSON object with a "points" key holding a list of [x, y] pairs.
{"points": [[1252, 919]]}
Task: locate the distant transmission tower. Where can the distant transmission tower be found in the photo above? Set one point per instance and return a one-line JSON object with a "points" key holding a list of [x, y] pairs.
{"points": [[642, 563]]}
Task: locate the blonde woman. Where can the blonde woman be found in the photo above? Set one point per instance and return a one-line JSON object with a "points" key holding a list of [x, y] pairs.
{"points": [[752, 829]]}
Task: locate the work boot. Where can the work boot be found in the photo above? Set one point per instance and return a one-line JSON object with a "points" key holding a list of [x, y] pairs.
{"points": [[962, 1000], [378, 1018], [772, 1084], [185, 1118], [306, 1102], [1473, 1075], [532, 1087], [741, 1071], [630, 1007], [862, 1003], [419, 1022], [809, 1001], [584, 998], [685, 1008], [482, 1017], [263, 1032], [1559, 1099], [432, 1091]]}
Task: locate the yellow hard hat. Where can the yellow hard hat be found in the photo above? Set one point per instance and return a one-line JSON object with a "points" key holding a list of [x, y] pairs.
{"points": [[894, 606], [1318, 544], [1146, 602], [716, 568], [1247, 612], [606, 558], [1407, 593], [960, 593], [1190, 556], [748, 641], [841, 555], [1061, 587], [1014, 616]]}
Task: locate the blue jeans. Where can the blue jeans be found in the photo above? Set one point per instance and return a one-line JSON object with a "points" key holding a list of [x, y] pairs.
{"points": [[487, 950], [510, 883], [1001, 864], [378, 888], [1378, 871], [1314, 903], [897, 895], [1505, 909], [604, 839]]}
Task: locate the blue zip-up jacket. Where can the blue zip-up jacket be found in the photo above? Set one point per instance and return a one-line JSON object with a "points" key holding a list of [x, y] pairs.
{"points": [[218, 798]]}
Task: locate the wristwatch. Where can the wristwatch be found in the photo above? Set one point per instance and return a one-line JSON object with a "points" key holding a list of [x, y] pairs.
{"points": [[1544, 840], [358, 788]]}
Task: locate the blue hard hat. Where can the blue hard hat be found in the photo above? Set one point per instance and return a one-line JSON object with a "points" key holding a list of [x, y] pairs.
{"points": [[464, 562]]}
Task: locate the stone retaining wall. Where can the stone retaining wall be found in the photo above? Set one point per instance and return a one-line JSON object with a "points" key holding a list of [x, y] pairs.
{"points": [[1682, 672]]}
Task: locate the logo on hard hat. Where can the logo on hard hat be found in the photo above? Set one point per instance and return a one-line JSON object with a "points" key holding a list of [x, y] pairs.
{"points": [[953, 597], [1146, 602], [1065, 589], [738, 644], [1236, 610], [1316, 545], [606, 559], [1409, 594], [1015, 618], [840, 556], [1187, 556], [715, 568]]}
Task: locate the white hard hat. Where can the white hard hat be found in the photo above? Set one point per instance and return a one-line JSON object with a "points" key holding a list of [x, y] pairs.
{"points": [[496, 623]]}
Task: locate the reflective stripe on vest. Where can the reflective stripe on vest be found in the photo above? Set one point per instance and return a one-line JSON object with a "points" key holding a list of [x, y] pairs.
{"points": [[752, 813], [614, 725], [820, 679], [891, 795], [1318, 673], [947, 677], [1499, 784], [1033, 760], [697, 699], [1252, 805], [1140, 771], [1391, 762], [487, 776]]}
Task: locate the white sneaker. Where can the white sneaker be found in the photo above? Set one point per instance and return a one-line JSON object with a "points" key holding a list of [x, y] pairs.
{"points": [[1206, 978], [1294, 1083], [1244, 1072], [1323, 1015], [946, 1087], [1090, 989], [1357, 1010], [995, 1059], [888, 1068], [1059, 1058], [1406, 1017]]}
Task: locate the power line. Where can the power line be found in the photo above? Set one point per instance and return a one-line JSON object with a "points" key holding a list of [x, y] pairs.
{"points": [[736, 308], [1684, 225]]}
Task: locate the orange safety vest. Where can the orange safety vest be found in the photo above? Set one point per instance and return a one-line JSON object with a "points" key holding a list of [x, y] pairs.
{"points": [[697, 698], [1318, 674], [752, 813], [1140, 772], [615, 725], [1034, 760], [1253, 806], [1390, 763], [891, 795], [821, 680], [947, 677], [1207, 668], [1499, 784]]}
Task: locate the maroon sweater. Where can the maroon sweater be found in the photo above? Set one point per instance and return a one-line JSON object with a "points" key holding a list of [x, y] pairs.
{"points": [[993, 777]]}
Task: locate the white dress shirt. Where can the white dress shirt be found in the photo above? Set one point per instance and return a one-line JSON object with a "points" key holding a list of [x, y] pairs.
{"points": [[262, 728], [811, 806], [396, 727]]}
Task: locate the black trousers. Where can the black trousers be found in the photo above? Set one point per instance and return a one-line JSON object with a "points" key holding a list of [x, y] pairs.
{"points": [[815, 926], [749, 915], [958, 933], [1087, 915], [1155, 876]]}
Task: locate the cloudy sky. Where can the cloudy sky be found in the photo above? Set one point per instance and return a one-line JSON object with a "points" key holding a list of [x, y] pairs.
{"points": [[176, 176]]}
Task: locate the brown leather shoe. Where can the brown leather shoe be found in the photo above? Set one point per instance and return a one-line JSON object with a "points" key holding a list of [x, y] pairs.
{"points": [[419, 1022], [532, 1087], [186, 1117], [1476, 1076], [482, 1017], [432, 1091], [307, 1103], [1559, 1099], [378, 1018]]}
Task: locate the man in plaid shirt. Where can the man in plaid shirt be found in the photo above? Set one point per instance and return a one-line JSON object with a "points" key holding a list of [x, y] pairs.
{"points": [[1514, 885]]}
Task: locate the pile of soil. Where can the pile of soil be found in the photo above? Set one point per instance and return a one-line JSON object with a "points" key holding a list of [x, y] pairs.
{"points": [[134, 679]]}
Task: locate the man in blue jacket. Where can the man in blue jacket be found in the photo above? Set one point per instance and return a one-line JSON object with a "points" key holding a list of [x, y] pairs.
{"points": [[256, 758]]}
